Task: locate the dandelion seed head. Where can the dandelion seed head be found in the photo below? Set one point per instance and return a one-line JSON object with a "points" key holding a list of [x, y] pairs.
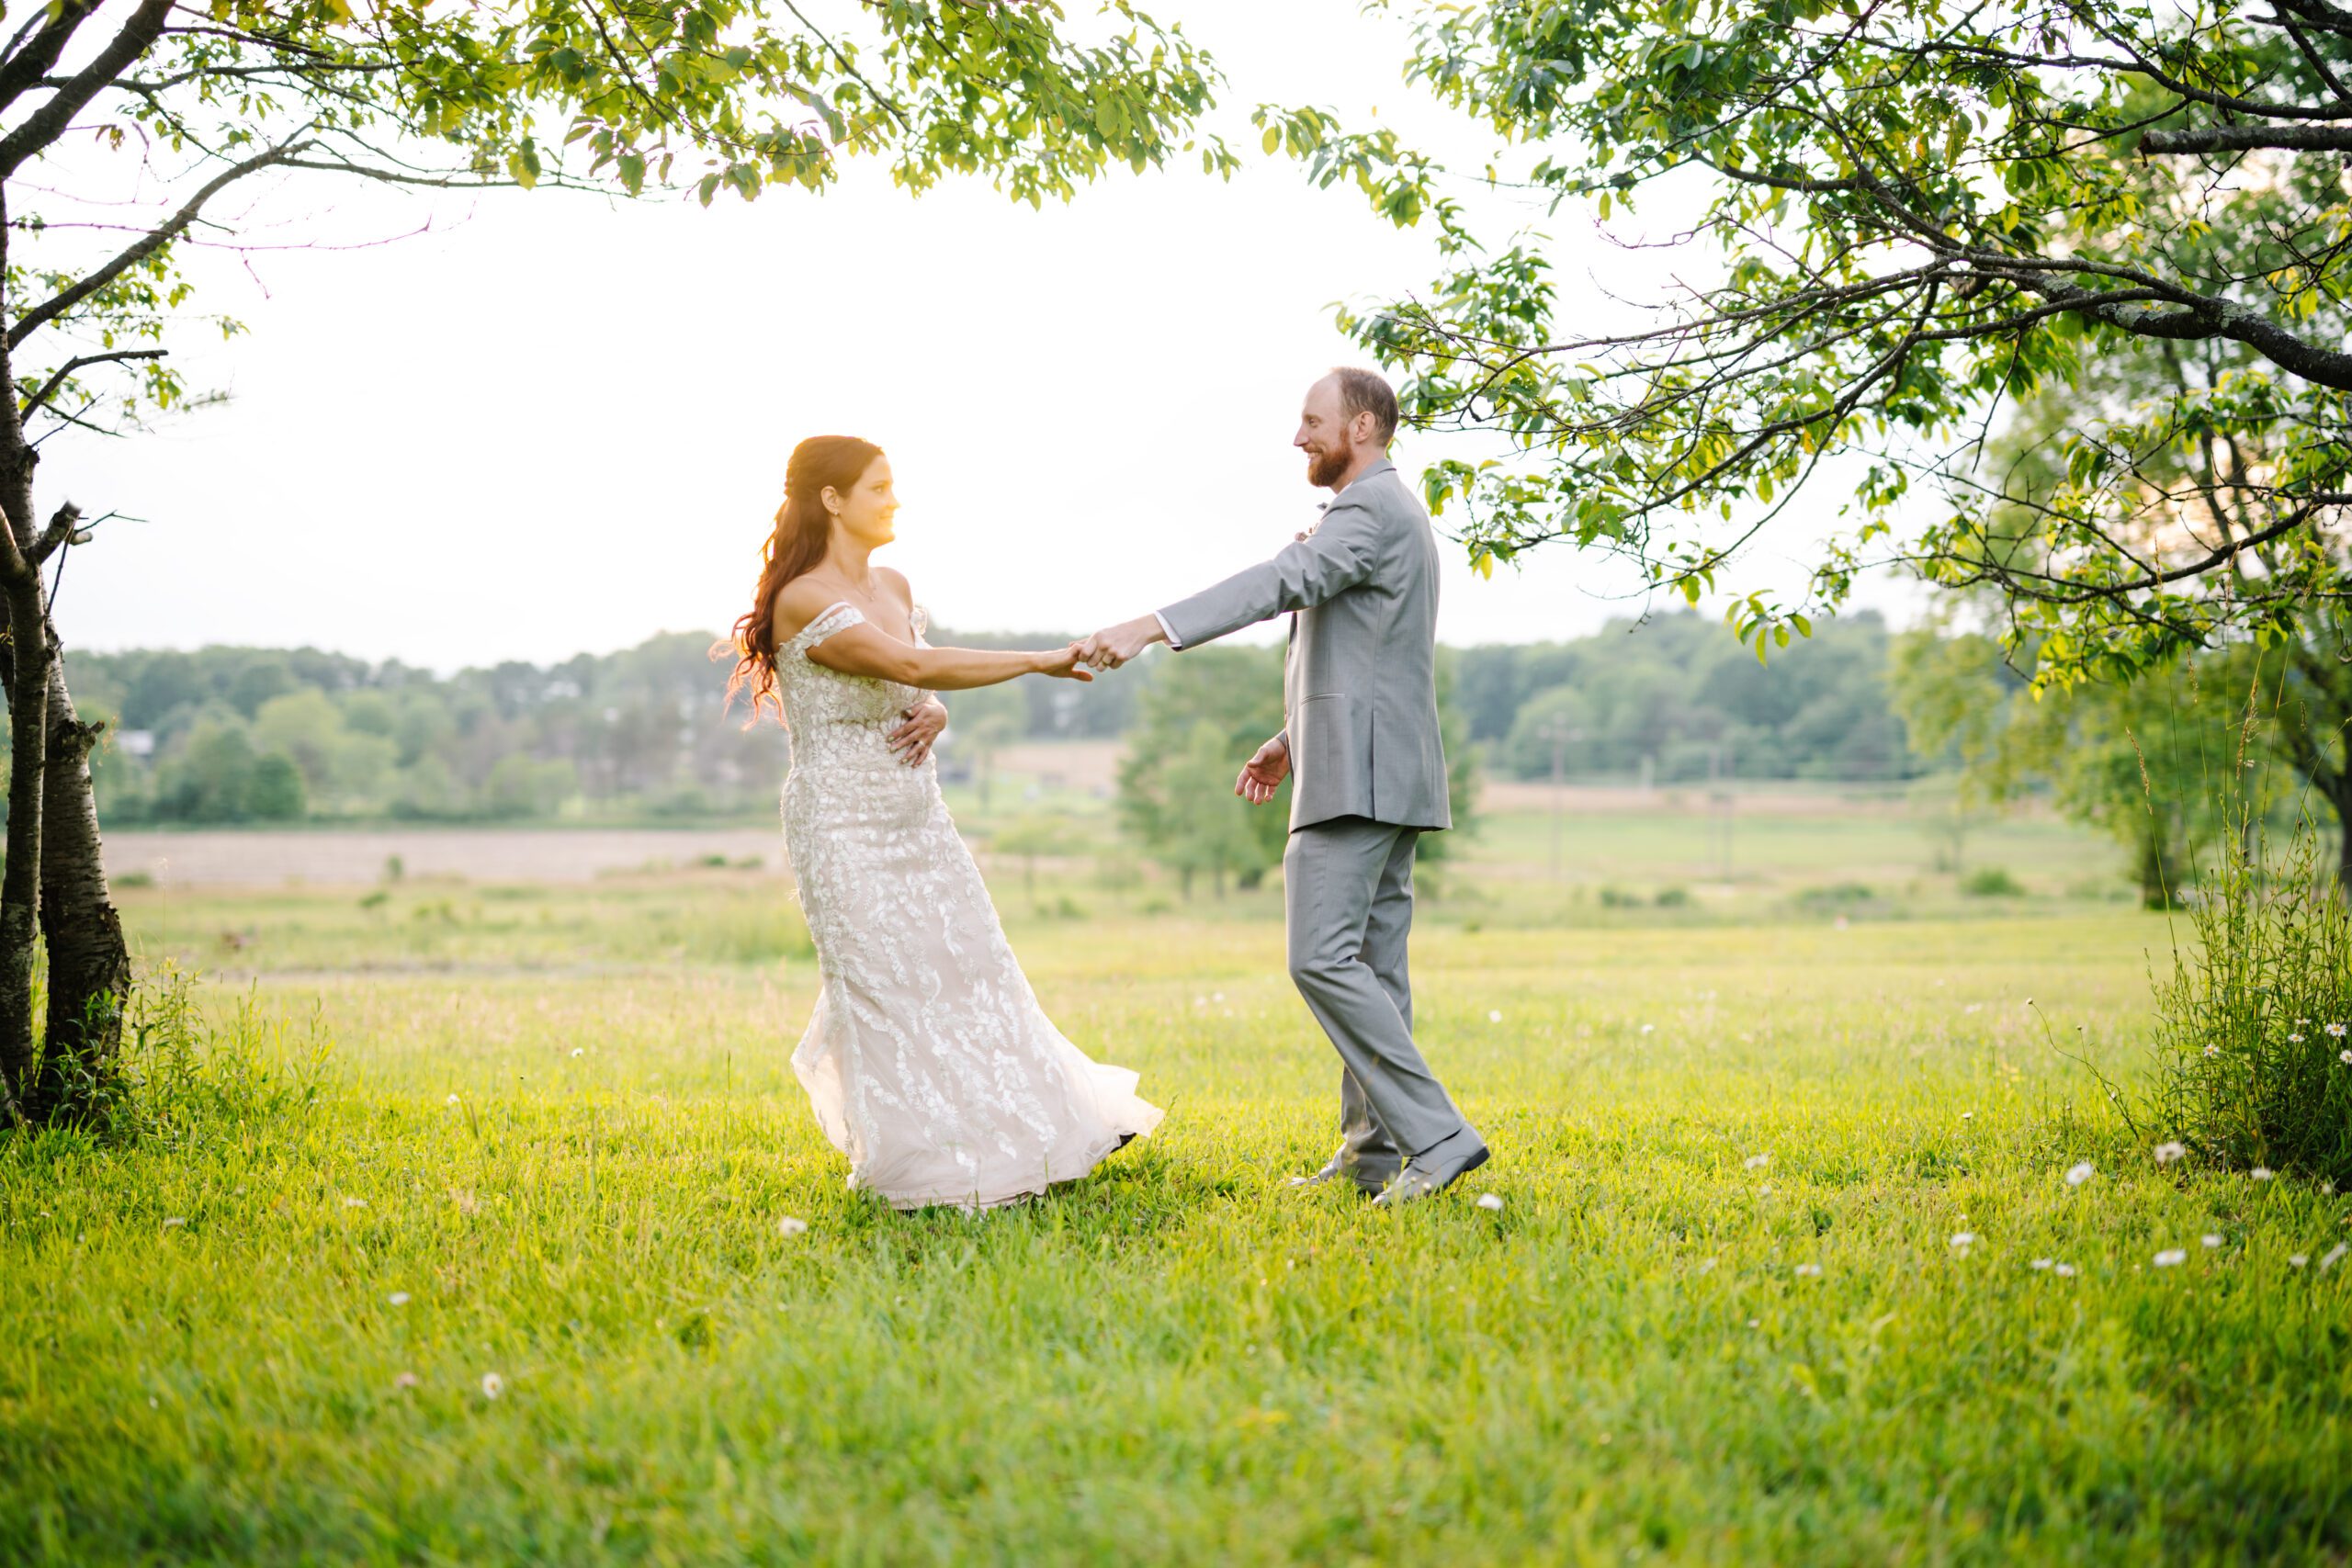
{"points": [[2210, 1239], [351, 1203], [2260, 1173], [2171, 1257], [174, 1220], [453, 1100], [1756, 1162], [789, 1225], [580, 1050], [397, 1298], [2063, 1270], [1649, 1029], [1494, 1015], [2042, 1262], [1490, 1201], [1808, 1271], [1963, 1238], [492, 1385], [2168, 1153], [2078, 1174]]}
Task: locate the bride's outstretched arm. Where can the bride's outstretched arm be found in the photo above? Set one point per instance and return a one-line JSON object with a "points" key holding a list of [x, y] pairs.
{"points": [[860, 649]]}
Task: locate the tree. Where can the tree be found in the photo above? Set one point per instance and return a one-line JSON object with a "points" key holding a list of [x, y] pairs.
{"points": [[704, 96], [1204, 710], [2159, 762], [984, 721], [1914, 211]]}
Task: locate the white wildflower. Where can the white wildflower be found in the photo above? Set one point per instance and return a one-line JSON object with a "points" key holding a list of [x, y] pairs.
{"points": [[350, 1203], [453, 1100], [1765, 1190], [1968, 1116], [580, 1050], [2337, 1030], [2064, 1270], [1494, 1015], [2078, 1174], [2210, 1239], [1216, 996], [2297, 1259], [791, 1226], [2345, 1056], [2042, 1262], [492, 1385], [1963, 1238], [2294, 1039], [2170, 1257], [1649, 1029], [1808, 1271], [1756, 1162], [174, 1220], [2168, 1153], [2260, 1173], [2213, 1050], [1489, 1201], [397, 1298]]}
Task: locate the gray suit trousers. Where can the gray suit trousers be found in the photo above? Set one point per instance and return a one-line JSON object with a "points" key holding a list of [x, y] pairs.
{"points": [[1348, 883]]}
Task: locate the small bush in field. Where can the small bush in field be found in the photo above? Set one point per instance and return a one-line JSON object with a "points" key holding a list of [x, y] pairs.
{"points": [[2255, 1021], [180, 1070], [1993, 882]]}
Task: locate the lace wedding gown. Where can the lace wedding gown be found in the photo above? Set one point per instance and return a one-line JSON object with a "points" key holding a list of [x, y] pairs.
{"points": [[928, 1059]]}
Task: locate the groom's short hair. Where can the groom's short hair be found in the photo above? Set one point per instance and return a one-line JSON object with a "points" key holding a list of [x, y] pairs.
{"points": [[1368, 392]]}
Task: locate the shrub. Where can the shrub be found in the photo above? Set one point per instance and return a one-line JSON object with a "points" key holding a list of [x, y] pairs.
{"points": [[1673, 898], [1992, 883], [2253, 1024]]}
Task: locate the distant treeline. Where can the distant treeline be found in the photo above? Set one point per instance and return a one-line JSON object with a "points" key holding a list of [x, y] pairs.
{"points": [[249, 734]]}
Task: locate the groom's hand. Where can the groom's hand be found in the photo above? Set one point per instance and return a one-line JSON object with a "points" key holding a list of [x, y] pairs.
{"points": [[1264, 772], [1114, 645]]}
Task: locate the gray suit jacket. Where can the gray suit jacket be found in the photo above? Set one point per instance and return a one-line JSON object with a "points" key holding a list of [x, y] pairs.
{"points": [[1359, 683]]}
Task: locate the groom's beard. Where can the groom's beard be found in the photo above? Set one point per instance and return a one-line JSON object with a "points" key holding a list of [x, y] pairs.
{"points": [[1326, 468]]}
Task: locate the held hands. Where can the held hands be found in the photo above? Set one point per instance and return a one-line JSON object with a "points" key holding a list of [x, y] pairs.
{"points": [[1114, 645], [1264, 772], [913, 740], [1068, 664]]}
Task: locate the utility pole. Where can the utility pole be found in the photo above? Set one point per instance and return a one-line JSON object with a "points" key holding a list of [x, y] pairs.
{"points": [[1559, 732]]}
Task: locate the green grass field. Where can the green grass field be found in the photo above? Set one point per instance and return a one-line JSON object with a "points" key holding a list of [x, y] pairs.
{"points": [[516, 1287]]}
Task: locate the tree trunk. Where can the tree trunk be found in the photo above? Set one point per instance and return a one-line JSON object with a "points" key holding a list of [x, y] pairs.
{"points": [[89, 963], [28, 688]]}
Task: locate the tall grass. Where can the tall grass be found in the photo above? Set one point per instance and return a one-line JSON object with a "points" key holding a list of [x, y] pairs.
{"points": [[2254, 1026]]}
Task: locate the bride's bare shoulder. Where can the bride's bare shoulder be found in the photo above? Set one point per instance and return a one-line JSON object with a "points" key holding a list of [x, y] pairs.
{"points": [[799, 602], [896, 581]]}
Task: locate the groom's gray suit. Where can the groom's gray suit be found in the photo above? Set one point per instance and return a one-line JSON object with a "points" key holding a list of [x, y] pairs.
{"points": [[1368, 776]]}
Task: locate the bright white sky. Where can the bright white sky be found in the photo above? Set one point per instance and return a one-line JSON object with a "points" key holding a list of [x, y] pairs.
{"points": [[555, 424]]}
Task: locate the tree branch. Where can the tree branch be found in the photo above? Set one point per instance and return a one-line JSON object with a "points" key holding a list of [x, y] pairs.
{"points": [[58, 304], [45, 124], [57, 378], [2250, 138]]}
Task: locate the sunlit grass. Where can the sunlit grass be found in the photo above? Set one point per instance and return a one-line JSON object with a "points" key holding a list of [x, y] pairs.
{"points": [[559, 1153]]}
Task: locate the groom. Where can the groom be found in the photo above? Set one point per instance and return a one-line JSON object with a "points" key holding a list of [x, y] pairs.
{"points": [[1361, 732]]}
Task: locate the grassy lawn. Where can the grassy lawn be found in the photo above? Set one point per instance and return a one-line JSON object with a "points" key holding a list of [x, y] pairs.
{"points": [[1720, 1315]]}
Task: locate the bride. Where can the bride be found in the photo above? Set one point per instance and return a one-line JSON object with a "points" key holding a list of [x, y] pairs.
{"points": [[928, 1059]]}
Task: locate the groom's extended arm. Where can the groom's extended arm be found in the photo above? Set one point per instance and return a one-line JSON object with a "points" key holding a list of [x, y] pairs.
{"points": [[1337, 557]]}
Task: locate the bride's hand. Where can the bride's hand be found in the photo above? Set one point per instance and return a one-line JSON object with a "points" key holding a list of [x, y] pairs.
{"points": [[914, 737], [1064, 665]]}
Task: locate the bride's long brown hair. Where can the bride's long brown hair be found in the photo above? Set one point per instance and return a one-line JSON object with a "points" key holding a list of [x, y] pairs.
{"points": [[803, 529]]}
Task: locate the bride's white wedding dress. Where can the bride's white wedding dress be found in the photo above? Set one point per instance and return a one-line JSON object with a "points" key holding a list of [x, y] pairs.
{"points": [[927, 1058]]}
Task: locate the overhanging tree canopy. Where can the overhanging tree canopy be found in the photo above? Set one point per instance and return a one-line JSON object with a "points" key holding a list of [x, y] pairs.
{"points": [[1922, 209], [202, 102]]}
